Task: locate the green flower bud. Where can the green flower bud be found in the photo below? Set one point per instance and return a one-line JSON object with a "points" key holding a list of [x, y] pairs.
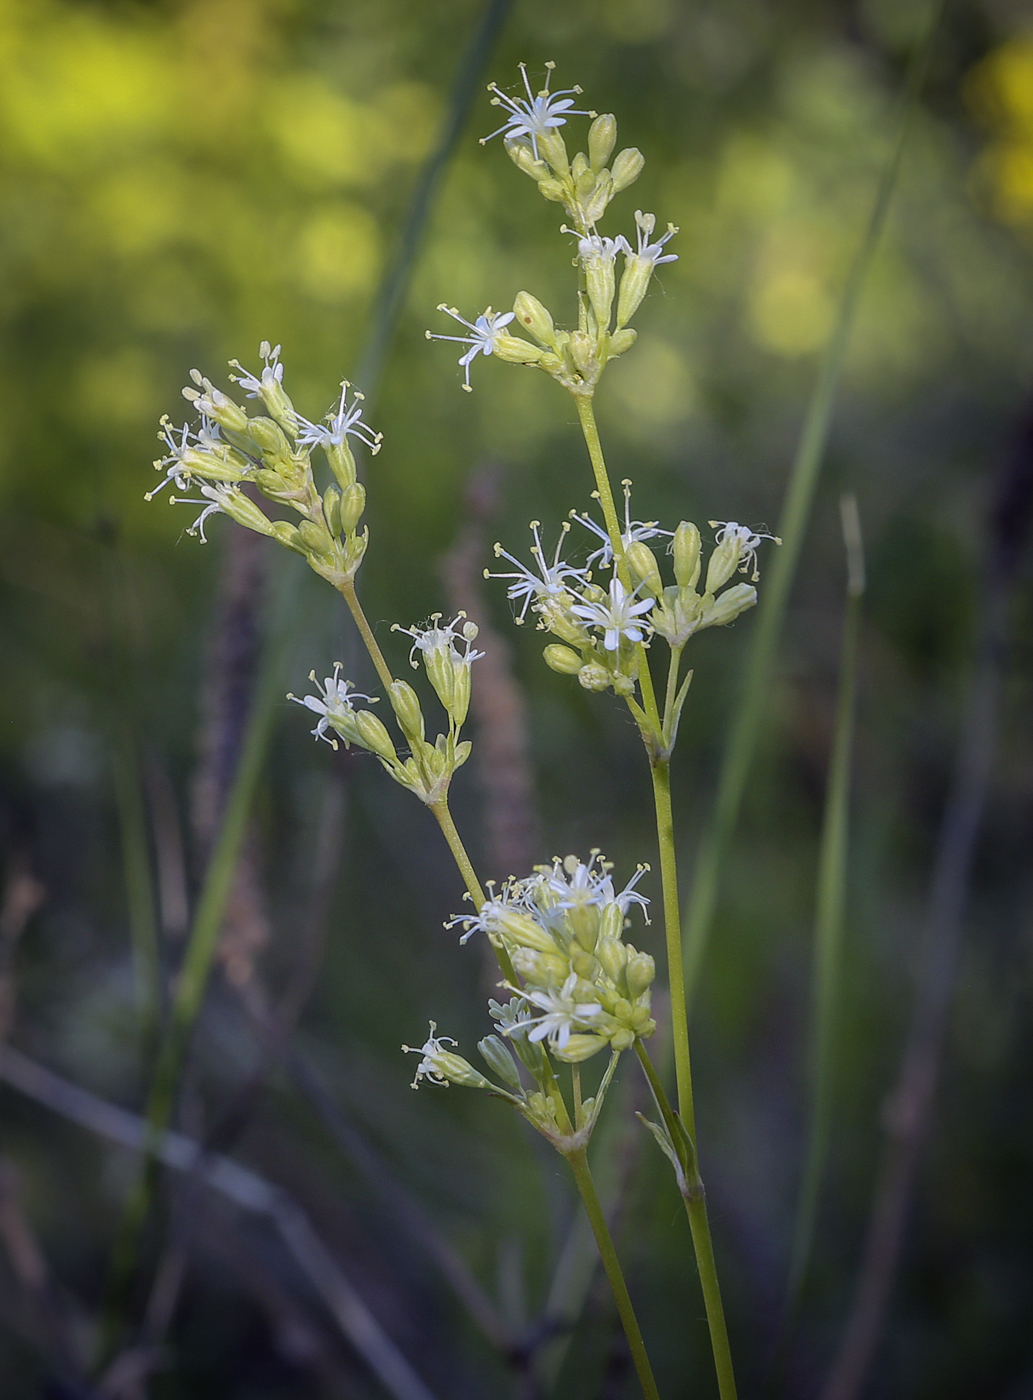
{"points": [[498, 1057], [530, 312], [523, 158], [541, 969], [621, 1040], [406, 705], [594, 207], [627, 168], [724, 561], [594, 677], [729, 605], [553, 147], [612, 957], [582, 1047], [515, 350], [269, 438], [286, 534], [612, 922], [622, 341], [332, 509], [342, 463], [645, 571], [640, 971], [557, 618], [634, 285], [686, 555], [552, 190], [523, 931], [458, 1071], [599, 282], [562, 659], [371, 733], [244, 511], [582, 962], [353, 503], [582, 350], [602, 137], [316, 536], [579, 168]]}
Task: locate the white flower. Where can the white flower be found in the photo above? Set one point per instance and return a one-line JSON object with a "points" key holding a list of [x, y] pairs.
{"points": [[634, 530], [748, 541], [560, 1014], [551, 579], [481, 341], [649, 252], [215, 496], [595, 246], [346, 421], [334, 702], [591, 884], [434, 640], [618, 618], [536, 114], [431, 1048], [271, 374]]}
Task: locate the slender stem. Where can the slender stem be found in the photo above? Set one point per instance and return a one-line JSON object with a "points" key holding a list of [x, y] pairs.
{"points": [[694, 1196], [575, 1084], [661, 773], [671, 696], [597, 1219], [347, 591], [473, 885], [586, 413]]}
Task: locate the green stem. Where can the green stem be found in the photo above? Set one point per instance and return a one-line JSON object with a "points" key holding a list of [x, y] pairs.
{"points": [[586, 413], [661, 773], [694, 1196], [593, 1209], [347, 591], [670, 698], [473, 885]]}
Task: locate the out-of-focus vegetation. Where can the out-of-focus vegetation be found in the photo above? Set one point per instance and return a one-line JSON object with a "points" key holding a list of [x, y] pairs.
{"points": [[181, 180]]}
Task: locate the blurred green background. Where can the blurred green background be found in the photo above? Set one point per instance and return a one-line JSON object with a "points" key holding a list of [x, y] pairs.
{"points": [[181, 179]]}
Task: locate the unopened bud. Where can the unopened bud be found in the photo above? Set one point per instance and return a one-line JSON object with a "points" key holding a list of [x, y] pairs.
{"points": [[640, 971], [729, 605], [458, 1071], [552, 190], [724, 561], [498, 1057], [332, 509], [269, 438], [522, 930], [594, 207], [353, 503], [612, 925], [580, 1047], [515, 350], [645, 571], [530, 312], [686, 549], [553, 147], [373, 735], [316, 536], [622, 340], [406, 705], [244, 511], [627, 168], [602, 137], [612, 956], [524, 159], [562, 659], [593, 676]]}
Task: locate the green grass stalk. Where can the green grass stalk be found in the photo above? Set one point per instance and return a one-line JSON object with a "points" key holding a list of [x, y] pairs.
{"points": [[829, 920], [754, 698]]}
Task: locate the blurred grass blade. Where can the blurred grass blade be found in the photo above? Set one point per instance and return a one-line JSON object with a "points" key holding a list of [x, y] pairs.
{"points": [[830, 908], [127, 771], [393, 286], [754, 700], [200, 951]]}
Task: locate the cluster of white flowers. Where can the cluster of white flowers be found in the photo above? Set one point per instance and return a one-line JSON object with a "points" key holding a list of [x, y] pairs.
{"points": [[584, 185]]}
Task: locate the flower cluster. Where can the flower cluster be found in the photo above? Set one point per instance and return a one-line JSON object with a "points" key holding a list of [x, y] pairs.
{"points": [[584, 186], [231, 457], [581, 987], [598, 630], [447, 653]]}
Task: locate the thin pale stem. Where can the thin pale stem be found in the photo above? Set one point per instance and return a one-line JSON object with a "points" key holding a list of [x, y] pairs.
{"points": [[694, 1196], [575, 1085], [661, 773], [671, 696], [473, 885], [347, 591], [597, 1219]]}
